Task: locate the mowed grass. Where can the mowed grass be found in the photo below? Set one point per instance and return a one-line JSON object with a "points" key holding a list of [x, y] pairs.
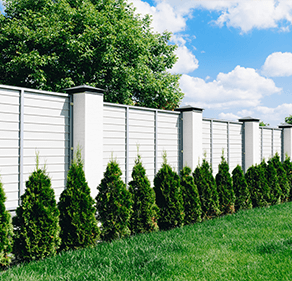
{"points": [[250, 245]]}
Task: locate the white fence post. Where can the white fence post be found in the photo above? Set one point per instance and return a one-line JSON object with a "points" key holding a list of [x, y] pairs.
{"points": [[251, 141], [192, 135], [88, 131], [286, 140]]}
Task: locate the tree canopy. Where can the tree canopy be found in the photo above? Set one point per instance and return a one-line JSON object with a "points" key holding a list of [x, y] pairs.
{"points": [[56, 44], [288, 119]]}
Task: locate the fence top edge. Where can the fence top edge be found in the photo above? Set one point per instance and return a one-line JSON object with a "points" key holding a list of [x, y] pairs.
{"points": [[141, 108], [29, 90], [222, 121]]}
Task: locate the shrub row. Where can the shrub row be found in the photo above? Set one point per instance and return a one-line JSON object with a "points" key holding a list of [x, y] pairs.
{"points": [[42, 227]]}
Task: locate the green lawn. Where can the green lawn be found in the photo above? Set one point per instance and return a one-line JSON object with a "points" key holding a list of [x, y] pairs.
{"points": [[250, 245]]}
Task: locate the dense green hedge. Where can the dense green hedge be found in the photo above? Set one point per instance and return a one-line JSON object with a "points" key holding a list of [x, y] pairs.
{"points": [[174, 201]]}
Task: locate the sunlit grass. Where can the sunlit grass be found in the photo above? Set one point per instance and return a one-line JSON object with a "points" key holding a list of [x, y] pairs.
{"points": [[250, 245]]}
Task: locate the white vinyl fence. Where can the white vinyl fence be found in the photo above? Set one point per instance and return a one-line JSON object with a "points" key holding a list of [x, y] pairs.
{"points": [[53, 124]]}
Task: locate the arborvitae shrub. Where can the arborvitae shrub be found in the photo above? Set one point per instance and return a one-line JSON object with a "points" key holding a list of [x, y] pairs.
{"points": [[205, 182], [241, 190], [144, 216], [273, 181], [282, 175], [77, 212], [6, 232], [168, 197], [287, 165], [113, 204], [225, 188], [258, 186], [36, 224], [191, 198]]}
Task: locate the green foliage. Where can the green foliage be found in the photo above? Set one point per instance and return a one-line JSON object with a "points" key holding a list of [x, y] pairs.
{"points": [[262, 124], [6, 232], [225, 188], [77, 212], [52, 45], [287, 165], [168, 197], [258, 186], [36, 223], [241, 190], [288, 119], [191, 198], [144, 217], [273, 180], [113, 204], [204, 180], [282, 175]]}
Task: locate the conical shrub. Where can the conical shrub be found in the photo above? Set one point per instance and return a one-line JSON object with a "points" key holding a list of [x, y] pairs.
{"points": [[273, 180], [205, 182], [225, 188], [258, 186], [113, 204], [6, 232], [145, 211], [168, 197], [282, 175], [191, 198], [241, 190], [77, 212], [36, 224], [287, 165]]}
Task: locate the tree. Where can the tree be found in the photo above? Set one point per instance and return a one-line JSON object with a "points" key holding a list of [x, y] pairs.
{"points": [[6, 232], [287, 165], [204, 180], [241, 191], [113, 204], [52, 45], [258, 186], [225, 188], [262, 124], [288, 119], [168, 197], [145, 210], [77, 212], [282, 175], [273, 180], [36, 224], [191, 198]]}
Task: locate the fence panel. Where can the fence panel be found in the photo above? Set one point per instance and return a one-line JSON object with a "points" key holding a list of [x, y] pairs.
{"points": [[235, 145], [9, 144], [33, 121]]}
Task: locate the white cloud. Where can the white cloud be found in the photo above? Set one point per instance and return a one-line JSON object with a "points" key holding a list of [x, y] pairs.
{"points": [[228, 116], [245, 15], [186, 63], [274, 116], [278, 64], [163, 15], [242, 87]]}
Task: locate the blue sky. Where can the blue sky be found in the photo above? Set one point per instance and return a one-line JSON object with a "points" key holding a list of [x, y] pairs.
{"points": [[235, 57]]}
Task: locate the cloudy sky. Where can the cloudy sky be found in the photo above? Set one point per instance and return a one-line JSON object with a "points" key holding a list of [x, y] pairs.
{"points": [[235, 57]]}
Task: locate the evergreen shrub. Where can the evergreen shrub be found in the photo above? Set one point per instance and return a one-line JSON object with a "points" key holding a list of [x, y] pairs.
{"points": [[113, 204], [225, 188], [6, 232], [168, 197], [36, 224], [145, 210], [273, 180], [258, 186], [282, 175], [241, 190], [77, 212], [205, 182], [191, 198], [287, 165]]}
